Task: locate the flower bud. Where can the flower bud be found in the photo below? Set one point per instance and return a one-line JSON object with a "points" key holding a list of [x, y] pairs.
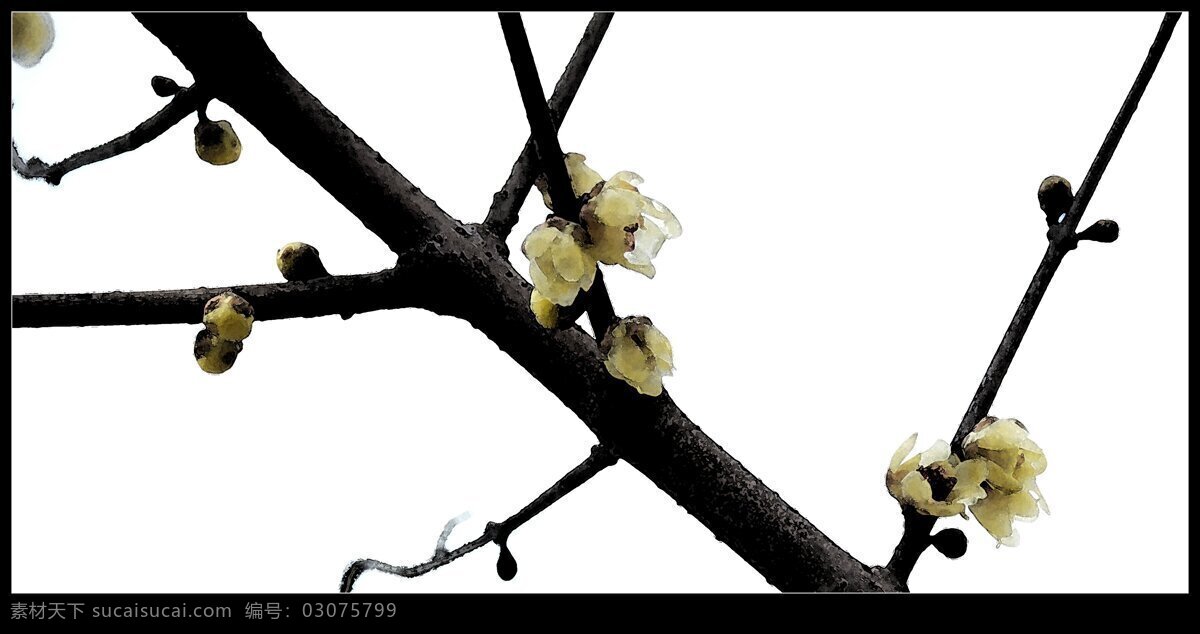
{"points": [[163, 86], [298, 261], [216, 142], [951, 542], [32, 37], [214, 354], [1101, 231], [230, 316], [1055, 197]]}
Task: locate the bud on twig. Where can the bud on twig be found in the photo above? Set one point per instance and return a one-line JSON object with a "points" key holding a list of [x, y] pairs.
{"points": [[506, 564], [164, 86], [951, 542], [217, 143], [298, 262], [1055, 197], [1101, 231]]}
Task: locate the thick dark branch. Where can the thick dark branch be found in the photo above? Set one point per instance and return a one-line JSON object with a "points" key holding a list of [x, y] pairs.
{"points": [[598, 460], [651, 434], [185, 102], [336, 295], [244, 73], [550, 156], [1062, 238], [502, 216]]}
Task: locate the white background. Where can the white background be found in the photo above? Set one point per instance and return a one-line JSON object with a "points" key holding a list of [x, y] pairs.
{"points": [[858, 199]]}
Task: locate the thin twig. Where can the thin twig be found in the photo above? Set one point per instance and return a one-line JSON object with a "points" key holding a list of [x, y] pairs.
{"points": [[598, 460], [502, 216], [185, 102], [550, 155], [335, 295], [1062, 239]]}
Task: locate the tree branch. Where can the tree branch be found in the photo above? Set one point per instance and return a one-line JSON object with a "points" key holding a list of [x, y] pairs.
{"points": [[185, 102], [502, 216], [598, 460], [651, 434], [1063, 240], [335, 295]]}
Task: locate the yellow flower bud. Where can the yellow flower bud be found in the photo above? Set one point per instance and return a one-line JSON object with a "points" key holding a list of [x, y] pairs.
{"points": [[32, 37], [544, 310], [935, 482], [559, 265], [230, 316], [214, 354], [298, 261], [217, 143], [638, 353]]}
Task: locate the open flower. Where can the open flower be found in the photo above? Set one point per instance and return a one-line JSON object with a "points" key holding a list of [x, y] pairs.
{"points": [[559, 265], [32, 37], [1014, 462], [627, 227], [636, 352], [935, 482]]}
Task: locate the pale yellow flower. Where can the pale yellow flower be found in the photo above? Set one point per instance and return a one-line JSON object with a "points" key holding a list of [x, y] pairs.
{"points": [[32, 37], [935, 482], [638, 353], [559, 265], [1014, 462], [627, 227]]}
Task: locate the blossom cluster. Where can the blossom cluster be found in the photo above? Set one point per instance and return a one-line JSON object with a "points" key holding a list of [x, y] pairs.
{"points": [[996, 479], [618, 225]]}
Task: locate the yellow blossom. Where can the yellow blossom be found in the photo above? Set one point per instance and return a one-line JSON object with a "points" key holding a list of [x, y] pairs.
{"points": [[627, 227], [935, 482], [638, 353], [559, 265], [1014, 462]]}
